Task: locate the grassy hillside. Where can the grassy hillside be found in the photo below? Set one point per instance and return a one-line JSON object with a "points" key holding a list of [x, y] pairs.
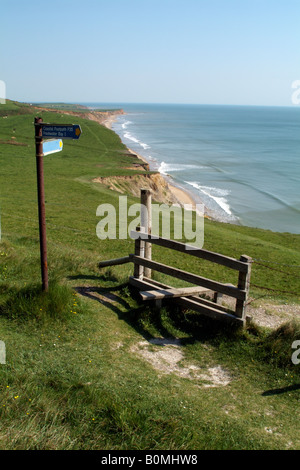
{"points": [[68, 107], [81, 370]]}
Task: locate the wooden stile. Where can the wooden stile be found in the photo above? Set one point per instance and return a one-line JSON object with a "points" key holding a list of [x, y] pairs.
{"points": [[189, 297]]}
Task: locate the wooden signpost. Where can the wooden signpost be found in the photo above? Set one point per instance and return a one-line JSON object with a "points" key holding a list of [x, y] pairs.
{"points": [[54, 133]]}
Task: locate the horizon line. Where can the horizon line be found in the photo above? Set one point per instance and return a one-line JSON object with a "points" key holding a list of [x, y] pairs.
{"points": [[156, 103]]}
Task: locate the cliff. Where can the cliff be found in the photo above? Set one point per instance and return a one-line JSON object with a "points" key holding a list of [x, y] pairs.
{"points": [[132, 184]]}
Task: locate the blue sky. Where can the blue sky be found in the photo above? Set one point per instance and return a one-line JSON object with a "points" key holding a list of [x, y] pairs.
{"points": [[156, 51]]}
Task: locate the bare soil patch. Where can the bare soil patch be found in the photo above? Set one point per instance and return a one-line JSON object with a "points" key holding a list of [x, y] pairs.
{"points": [[166, 356], [268, 314]]}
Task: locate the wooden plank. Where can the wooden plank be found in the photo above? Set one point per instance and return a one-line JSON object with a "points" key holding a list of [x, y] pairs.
{"points": [[139, 250], [152, 282], [146, 221], [114, 262], [166, 286], [207, 310], [243, 283], [148, 283], [159, 293], [141, 283], [193, 303], [210, 303], [192, 278], [191, 250]]}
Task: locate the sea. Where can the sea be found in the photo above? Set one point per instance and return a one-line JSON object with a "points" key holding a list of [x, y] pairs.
{"points": [[241, 162]]}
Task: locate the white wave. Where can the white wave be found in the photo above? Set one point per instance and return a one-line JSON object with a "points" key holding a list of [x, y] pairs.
{"points": [[166, 168], [128, 136], [217, 194], [145, 146], [126, 124]]}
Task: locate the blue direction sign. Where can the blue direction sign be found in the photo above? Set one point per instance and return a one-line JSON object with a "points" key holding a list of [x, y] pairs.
{"points": [[52, 146], [62, 131]]}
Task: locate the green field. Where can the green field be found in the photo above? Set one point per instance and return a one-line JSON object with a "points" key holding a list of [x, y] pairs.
{"points": [[82, 369], [69, 107]]}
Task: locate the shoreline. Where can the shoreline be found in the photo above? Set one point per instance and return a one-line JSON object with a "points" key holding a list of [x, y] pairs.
{"points": [[183, 196], [178, 194]]}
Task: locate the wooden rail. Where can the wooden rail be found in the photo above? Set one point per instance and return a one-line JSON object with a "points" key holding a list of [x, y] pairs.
{"points": [[114, 262], [191, 250]]}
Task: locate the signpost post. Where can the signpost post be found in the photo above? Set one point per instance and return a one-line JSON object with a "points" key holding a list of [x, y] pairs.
{"points": [[55, 133], [41, 201]]}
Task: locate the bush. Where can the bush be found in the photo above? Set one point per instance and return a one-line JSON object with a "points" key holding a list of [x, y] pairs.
{"points": [[278, 344]]}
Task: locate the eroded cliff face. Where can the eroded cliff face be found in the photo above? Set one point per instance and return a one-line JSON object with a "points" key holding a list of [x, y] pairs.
{"points": [[132, 184], [105, 118]]}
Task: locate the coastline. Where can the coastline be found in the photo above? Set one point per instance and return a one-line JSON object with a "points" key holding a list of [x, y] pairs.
{"points": [[182, 196], [211, 198], [177, 195]]}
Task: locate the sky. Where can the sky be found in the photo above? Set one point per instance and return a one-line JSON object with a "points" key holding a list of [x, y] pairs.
{"points": [[237, 52]]}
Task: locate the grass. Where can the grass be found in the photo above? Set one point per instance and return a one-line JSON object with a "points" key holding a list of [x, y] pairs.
{"points": [[71, 379], [70, 107]]}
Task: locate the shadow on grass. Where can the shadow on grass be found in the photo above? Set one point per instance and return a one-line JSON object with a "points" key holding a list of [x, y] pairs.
{"points": [[168, 322], [103, 277], [110, 299], [279, 391], [136, 317]]}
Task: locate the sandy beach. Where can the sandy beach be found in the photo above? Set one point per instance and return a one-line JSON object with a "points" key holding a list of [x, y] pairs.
{"points": [[109, 121]]}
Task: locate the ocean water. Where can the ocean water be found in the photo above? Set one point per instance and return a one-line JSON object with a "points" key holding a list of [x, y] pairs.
{"points": [[242, 162]]}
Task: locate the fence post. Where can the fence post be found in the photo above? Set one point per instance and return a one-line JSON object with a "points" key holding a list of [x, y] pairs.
{"points": [[146, 222], [139, 250], [244, 284]]}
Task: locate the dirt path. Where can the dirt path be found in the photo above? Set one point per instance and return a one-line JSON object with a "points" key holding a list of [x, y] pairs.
{"points": [[268, 314], [272, 315]]}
